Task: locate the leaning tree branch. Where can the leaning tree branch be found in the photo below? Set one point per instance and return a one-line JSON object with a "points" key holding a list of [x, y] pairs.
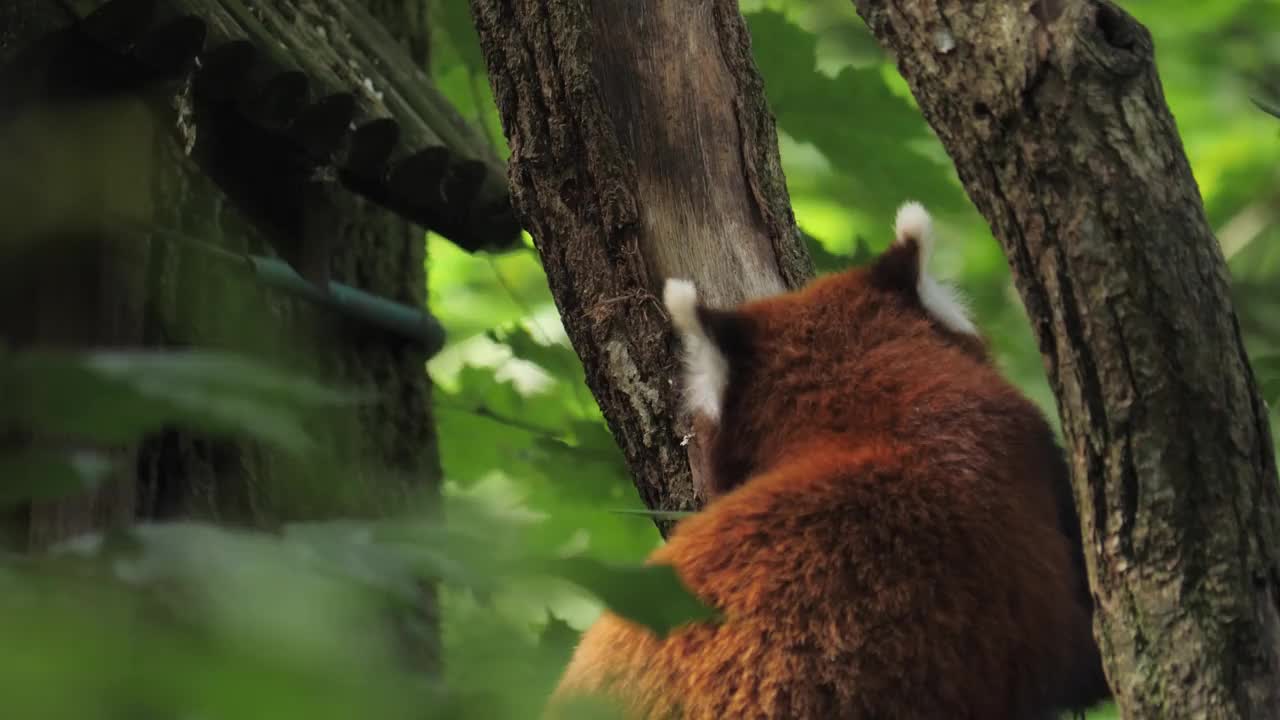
{"points": [[1054, 116], [641, 149]]}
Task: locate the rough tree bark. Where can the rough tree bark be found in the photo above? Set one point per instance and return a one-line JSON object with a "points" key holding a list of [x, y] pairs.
{"points": [[1054, 116], [641, 149]]}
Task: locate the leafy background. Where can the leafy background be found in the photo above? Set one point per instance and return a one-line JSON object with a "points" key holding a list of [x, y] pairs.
{"points": [[542, 525]]}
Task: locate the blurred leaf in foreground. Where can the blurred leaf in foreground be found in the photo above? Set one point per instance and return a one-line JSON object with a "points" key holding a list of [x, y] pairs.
{"points": [[45, 474], [188, 620], [114, 397], [321, 600]]}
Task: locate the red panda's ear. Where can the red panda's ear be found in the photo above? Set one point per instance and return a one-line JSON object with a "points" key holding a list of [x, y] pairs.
{"points": [[902, 269], [898, 268], [712, 339]]}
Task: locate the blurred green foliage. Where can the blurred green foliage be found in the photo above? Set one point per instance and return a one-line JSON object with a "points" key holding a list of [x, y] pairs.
{"points": [[541, 526], [184, 618]]}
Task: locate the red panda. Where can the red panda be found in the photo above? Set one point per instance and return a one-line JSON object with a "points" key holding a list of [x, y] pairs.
{"points": [[891, 534]]}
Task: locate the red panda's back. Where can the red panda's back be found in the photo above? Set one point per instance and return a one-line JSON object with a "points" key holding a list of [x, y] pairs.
{"points": [[892, 534], [854, 585]]}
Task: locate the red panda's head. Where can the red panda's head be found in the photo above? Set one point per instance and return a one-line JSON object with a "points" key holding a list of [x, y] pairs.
{"points": [[848, 355]]}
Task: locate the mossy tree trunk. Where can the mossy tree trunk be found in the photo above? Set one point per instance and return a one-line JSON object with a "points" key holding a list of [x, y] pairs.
{"points": [[641, 149], [1054, 116]]}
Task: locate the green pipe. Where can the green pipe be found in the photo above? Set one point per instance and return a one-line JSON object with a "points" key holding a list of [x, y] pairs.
{"points": [[362, 307], [358, 305]]}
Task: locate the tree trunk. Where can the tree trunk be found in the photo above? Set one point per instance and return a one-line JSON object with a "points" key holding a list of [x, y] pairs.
{"points": [[1054, 116], [142, 291], [641, 149], [145, 291]]}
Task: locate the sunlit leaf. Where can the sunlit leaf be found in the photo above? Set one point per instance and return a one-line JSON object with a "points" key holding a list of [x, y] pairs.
{"points": [[559, 360]]}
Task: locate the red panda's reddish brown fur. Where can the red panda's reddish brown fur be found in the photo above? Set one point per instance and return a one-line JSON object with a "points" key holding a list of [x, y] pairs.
{"points": [[890, 538]]}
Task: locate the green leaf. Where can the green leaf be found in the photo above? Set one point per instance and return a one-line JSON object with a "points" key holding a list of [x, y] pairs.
{"points": [[558, 641], [557, 635], [651, 595], [117, 397], [559, 360], [853, 119], [825, 261], [1267, 104], [458, 69], [541, 438], [1267, 368], [454, 17]]}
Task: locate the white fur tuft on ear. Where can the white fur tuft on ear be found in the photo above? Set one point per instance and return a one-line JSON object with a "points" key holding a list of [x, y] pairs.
{"points": [[943, 302], [681, 299], [706, 370], [913, 223]]}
